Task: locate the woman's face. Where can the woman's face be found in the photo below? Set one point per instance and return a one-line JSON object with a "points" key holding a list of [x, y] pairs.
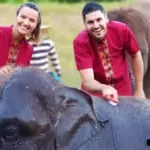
{"points": [[26, 21]]}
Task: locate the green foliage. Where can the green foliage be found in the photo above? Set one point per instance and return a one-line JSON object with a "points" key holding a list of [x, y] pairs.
{"points": [[60, 1], [13, 1]]}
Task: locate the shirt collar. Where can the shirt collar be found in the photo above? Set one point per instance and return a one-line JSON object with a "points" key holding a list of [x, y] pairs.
{"points": [[11, 39]]}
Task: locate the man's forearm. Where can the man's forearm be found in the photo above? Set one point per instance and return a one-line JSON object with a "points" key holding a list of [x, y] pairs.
{"points": [[138, 70], [93, 86]]}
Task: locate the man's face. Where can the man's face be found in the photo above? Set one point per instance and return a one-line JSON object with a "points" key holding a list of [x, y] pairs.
{"points": [[95, 22]]}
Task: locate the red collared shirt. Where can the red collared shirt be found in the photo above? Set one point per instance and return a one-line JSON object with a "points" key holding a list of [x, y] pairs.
{"points": [[120, 39], [25, 49]]}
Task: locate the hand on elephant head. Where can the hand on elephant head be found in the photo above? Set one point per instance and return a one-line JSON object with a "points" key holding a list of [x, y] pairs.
{"points": [[36, 111], [87, 122], [6, 69]]}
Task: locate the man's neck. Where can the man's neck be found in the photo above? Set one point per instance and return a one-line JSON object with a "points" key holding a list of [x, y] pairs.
{"points": [[98, 41]]}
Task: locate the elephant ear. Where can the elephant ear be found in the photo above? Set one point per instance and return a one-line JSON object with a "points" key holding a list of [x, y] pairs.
{"points": [[67, 96], [101, 109]]}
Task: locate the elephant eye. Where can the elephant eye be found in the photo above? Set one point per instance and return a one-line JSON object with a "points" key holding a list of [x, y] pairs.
{"points": [[72, 102], [11, 132]]}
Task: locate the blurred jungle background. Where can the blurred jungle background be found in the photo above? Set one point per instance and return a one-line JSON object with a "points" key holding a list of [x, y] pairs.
{"points": [[64, 17]]}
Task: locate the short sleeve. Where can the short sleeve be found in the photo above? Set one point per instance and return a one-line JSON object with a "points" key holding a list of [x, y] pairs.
{"points": [[83, 58], [130, 42]]}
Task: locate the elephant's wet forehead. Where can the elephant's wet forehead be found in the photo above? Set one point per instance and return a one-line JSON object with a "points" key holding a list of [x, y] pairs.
{"points": [[19, 100], [129, 110], [131, 119], [135, 107]]}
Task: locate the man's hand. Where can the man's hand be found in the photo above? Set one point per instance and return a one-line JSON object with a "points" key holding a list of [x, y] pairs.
{"points": [[139, 93], [110, 93], [91, 85], [5, 69]]}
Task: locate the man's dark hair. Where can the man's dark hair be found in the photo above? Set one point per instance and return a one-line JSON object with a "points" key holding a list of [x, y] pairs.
{"points": [[91, 7]]}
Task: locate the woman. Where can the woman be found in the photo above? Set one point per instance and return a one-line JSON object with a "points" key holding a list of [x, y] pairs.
{"points": [[14, 48]]}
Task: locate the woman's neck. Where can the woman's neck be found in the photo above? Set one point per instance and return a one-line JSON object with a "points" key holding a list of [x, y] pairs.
{"points": [[16, 36]]}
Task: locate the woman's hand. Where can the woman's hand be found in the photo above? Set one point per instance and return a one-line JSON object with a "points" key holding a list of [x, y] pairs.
{"points": [[6, 69]]}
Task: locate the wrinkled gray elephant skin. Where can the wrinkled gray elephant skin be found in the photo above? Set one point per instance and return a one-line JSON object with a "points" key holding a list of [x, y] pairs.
{"points": [[90, 123], [38, 113], [27, 111]]}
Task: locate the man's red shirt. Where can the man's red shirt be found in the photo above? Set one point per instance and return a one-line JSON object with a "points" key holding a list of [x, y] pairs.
{"points": [[25, 49], [120, 39]]}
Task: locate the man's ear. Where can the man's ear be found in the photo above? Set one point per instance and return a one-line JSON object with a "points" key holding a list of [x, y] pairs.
{"points": [[106, 17], [66, 96]]}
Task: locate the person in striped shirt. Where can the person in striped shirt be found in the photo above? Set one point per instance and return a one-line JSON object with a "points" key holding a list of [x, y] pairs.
{"points": [[43, 51]]}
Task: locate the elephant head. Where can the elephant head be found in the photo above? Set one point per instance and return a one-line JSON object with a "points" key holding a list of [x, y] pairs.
{"points": [[38, 113]]}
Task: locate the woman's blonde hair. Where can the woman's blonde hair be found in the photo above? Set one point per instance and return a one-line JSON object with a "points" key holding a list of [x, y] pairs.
{"points": [[36, 33]]}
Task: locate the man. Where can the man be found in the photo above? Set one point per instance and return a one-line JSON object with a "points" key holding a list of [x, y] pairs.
{"points": [[100, 56]]}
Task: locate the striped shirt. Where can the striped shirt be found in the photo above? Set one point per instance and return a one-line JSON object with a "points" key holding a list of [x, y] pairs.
{"points": [[41, 54]]}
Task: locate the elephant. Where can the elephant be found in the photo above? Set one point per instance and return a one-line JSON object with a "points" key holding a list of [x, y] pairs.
{"points": [[140, 26], [39, 113]]}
